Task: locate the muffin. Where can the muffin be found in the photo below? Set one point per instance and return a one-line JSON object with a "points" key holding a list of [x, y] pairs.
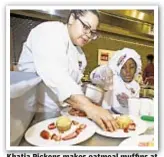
{"points": [[123, 121], [63, 123]]}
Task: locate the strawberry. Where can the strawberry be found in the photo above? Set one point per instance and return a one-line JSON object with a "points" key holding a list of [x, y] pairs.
{"points": [[51, 126]]}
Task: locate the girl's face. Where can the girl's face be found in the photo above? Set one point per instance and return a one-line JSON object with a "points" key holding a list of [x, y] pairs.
{"points": [[128, 70], [82, 29]]}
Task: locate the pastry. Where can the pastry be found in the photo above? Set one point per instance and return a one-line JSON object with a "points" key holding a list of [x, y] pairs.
{"points": [[63, 123], [123, 121]]}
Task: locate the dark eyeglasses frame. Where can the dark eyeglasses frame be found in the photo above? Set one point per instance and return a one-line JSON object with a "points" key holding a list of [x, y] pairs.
{"points": [[87, 30]]}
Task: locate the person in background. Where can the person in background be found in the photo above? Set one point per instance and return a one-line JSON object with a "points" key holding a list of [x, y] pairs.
{"points": [[139, 79], [148, 73], [124, 65], [53, 51]]}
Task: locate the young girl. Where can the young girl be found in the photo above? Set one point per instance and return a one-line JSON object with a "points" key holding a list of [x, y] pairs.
{"points": [[124, 66]]}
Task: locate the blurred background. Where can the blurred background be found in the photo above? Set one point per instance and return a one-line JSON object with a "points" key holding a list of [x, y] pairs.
{"points": [[118, 29]]}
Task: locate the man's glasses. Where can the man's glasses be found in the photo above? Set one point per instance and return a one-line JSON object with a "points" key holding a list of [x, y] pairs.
{"points": [[87, 30]]}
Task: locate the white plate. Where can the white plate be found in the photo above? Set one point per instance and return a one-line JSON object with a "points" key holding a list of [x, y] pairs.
{"points": [[134, 141], [141, 127], [33, 133]]}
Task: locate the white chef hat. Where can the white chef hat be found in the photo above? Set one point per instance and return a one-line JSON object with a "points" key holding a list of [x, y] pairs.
{"points": [[121, 56]]}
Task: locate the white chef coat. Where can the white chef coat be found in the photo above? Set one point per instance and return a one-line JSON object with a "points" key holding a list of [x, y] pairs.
{"points": [[50, 53], [118, 87], [130, 89]]}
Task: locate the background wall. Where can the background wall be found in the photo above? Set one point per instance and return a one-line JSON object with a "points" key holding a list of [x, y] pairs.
{"points": [[114, 42], [21, 26]]}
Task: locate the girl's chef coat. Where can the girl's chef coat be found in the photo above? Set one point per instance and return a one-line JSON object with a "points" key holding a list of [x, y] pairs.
{"points": [[50, 53], [131, 89], [117, 87]]}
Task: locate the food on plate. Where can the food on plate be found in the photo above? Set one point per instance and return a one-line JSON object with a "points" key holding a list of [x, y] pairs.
{"points": [[126, 123], [132, 126], [51, 126], [147, 143], [45, 134], [70, 136], [80, 128], [123, 121], [74, 134], [75, 112], [75, 122], [56, 137], [63, 123], [64, 129], [78, 131]]}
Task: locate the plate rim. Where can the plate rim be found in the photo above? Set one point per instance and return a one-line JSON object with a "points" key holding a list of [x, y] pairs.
{"points": [[98, 130], [92, 132], [133, 137]]}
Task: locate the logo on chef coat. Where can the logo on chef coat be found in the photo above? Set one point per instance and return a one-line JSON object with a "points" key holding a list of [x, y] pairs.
{"points": [[132, 90], [121, 59], [80, 65]]}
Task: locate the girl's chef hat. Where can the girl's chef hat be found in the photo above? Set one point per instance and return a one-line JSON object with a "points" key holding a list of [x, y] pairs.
{"points": [[121, 56]]}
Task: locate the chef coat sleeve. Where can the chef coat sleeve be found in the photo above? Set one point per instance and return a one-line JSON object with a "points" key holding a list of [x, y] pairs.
{"points": [[50, 60], [98, 75]]}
